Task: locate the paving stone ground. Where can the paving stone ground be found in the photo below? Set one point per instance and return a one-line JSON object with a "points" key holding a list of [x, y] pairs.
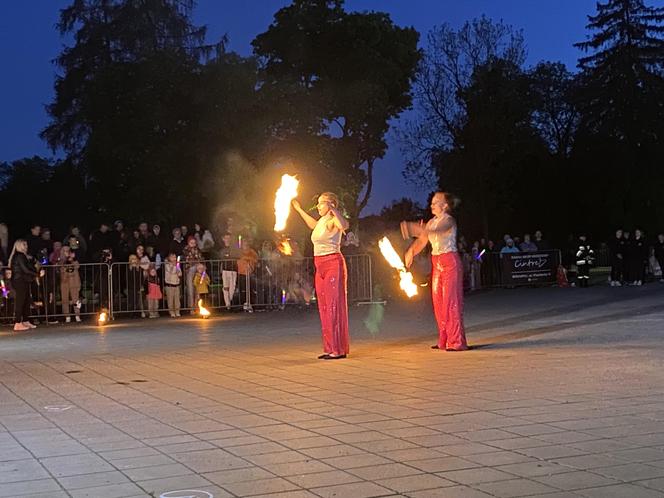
{"points": [[563, 397]]}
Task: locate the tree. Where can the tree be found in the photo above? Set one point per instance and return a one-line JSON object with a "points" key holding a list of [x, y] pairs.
{"points": [[336, 79], [124, 108], [621, 100], [451, 59]]}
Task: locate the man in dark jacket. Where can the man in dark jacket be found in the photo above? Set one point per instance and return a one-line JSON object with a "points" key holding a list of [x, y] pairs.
{"points": [[100, 240], [617, 249], [35, 241]]}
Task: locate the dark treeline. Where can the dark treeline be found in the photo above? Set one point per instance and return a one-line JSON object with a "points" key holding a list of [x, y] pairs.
{"points": [[541, 147], [153, 121]]}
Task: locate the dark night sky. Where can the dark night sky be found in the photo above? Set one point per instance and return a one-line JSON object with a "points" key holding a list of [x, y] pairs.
{"points": [[29, 41]]}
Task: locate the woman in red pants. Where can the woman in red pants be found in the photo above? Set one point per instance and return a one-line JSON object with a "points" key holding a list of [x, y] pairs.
{"points": [[447, 269], [330, 274]]}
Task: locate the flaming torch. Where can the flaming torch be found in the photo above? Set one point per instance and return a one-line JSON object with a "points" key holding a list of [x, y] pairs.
{"points": [[202, 310], [102, 319], [282, 201], [406, 278], [285, 247]]}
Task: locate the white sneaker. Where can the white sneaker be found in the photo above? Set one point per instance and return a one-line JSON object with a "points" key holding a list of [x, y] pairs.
{"points": [[78, 319], [638, 282], [143, 315], [68, 319], [19, 327], [29, 325], [618, 284]]}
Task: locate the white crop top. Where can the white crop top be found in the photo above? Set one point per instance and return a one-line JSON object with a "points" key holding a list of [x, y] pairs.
{"points": [[442, 241], [325, 241]]}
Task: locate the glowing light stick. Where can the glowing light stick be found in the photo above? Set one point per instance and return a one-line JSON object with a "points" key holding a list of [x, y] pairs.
{"points": [[283, 296], [479, 256], [394, 260], [177, 265], [239, 241], [282, 201], [5, 291]]}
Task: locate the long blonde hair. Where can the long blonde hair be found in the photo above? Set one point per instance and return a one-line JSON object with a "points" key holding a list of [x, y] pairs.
{"points": [[15, 249]]}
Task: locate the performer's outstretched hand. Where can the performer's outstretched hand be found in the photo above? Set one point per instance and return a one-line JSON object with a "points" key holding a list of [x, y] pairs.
{"points": [[296, 204]]}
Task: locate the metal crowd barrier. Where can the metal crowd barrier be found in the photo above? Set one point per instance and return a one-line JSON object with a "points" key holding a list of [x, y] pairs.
{"points": [[119, 288], [48, 291]]}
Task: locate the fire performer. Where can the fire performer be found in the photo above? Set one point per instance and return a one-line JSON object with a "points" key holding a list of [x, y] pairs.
{"points": [[331, 274], [447, 269]]}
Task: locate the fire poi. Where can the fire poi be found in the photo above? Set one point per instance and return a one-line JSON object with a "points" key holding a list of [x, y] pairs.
{"points": [[282, 202], [394, 260]]}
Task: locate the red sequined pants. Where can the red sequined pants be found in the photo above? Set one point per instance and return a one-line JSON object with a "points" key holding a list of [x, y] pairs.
{"points": [[447, 295], [331, 278]]}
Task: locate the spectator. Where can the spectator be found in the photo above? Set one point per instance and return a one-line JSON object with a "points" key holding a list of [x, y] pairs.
{"points": [[172, 278], [617, 250], [540, 242], [157, 241], [135, 240], [135, 277], [245, 267], [192, 256], [116, 236], [54, 257], [229, 254], [204, 240], [153, 256], [80, 246], [509, 247], [144, 230], [4, 244], [350, 244], [201, 283], [143, 260], [100, 240], [627, 255], [177, 243], [24, 273], [475, 266], [527, 245], [122, 249], [153, 292], [70, 284], [35, 242], [638, 258], [185, 231], [659, 255]]}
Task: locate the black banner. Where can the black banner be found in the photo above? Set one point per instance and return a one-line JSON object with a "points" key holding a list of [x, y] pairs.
{"points": [[521, 268]]}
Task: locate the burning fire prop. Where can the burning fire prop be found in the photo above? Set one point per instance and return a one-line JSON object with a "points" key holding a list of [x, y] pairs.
{"points": [[202, 310], [394, 260], [282, 202], [102, 319], [285, 247]]}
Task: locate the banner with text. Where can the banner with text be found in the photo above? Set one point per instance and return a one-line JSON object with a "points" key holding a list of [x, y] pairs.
{"points": [[529, 267]]}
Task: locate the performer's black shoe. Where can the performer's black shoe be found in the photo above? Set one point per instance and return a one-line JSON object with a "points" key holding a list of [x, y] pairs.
{"points": [[330, 357], [323, 356], [435, 346]]}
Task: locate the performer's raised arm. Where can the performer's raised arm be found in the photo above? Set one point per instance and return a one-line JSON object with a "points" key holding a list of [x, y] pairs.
{"points": [[308, 219]]}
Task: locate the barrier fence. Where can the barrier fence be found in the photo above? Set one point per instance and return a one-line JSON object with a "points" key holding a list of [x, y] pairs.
{"points": [[120, 288]]}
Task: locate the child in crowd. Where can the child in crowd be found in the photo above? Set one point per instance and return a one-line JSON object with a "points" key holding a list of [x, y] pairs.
{"points": [[153, 292], [201, 283], [70, 283], [135, 286], [172, 278]]}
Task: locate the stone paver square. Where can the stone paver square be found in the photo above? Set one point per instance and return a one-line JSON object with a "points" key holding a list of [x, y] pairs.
{"points": [[13, 489], [356, 490], [333, 477], [514, 488], [109, 491], [415, 483], [386, 471], [619, 491], [75, 465], [631, 472], [260, 486], [210, 460], [474, 476], [575, 480]]}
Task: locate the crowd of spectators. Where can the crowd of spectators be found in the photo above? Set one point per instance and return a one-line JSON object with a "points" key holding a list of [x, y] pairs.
{"points": [[165, 270]]}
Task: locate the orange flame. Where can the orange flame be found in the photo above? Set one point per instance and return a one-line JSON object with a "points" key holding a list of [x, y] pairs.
{"points": [[285, 247], [394, 260], [102, 318], [282, 202], [203, 311]]}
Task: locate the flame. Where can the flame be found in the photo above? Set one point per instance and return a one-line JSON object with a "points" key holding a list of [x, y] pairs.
{"points": [[103, 317], [204, 312], [282, 202], [394, 260], [285, 248]]}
